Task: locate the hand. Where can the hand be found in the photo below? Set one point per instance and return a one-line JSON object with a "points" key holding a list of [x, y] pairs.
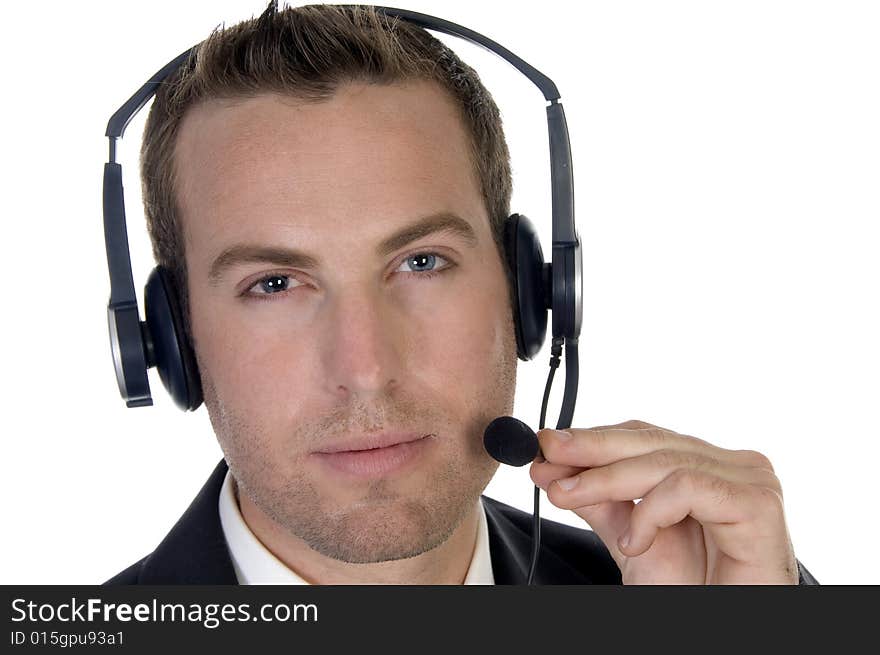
{"points": [[706, 516]]}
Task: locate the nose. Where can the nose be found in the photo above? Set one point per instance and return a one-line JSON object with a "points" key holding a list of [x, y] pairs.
{"points": [[360, 345]]}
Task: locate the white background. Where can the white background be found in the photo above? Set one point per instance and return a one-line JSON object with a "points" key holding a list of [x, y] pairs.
{"points": [[726, 169]]}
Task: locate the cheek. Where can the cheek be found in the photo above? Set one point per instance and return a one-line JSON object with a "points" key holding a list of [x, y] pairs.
{"points": [[454, 341], [463, 345], [251, 365]]}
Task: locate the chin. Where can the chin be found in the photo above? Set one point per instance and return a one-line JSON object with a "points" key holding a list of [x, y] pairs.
{"points": [[381, 531]]}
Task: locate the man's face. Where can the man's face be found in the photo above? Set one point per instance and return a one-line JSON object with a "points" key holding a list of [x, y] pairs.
{"points": [[300, 357]]}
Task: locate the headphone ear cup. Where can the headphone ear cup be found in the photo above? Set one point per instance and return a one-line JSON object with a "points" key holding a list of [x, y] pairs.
{"points": [[531, 299], [170, 349]]}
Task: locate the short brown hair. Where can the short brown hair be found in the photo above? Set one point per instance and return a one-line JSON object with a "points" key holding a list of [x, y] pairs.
{"points": [[306, 53]]}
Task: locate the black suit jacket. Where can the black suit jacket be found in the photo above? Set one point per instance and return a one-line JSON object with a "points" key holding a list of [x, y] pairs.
{"points": [[195, 551]]}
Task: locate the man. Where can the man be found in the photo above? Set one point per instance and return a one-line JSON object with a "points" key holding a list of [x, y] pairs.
{"points": [[329, 191]]}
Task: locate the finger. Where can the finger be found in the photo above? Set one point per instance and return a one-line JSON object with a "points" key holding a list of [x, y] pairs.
{"points": [[543, 474], [593, 447], [635, 477], [608, 520], [739, 517], [631, 424]]}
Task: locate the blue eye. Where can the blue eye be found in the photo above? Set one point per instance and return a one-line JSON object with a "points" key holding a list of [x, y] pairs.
{"points": [[273, 284], [420, 259]]}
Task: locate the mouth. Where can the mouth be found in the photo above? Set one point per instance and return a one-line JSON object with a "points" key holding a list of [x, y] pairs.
{"points": [[372, 457], [371, 442]]}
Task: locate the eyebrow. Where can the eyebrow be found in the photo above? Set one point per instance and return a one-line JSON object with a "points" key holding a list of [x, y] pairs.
{"points": [[244, 253]]}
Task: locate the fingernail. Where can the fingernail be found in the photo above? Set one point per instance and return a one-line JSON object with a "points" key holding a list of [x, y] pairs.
{"points": [[567, 483], [560, 434]]}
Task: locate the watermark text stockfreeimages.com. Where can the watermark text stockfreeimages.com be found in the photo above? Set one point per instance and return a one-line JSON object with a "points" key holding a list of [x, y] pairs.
{"points": [[210, 615]]}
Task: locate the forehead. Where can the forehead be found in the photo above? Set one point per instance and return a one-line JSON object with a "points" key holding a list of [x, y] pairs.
{"points": [[367, 159]]}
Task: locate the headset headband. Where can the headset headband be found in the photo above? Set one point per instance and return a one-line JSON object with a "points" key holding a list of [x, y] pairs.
{"points": [[566, 285]]}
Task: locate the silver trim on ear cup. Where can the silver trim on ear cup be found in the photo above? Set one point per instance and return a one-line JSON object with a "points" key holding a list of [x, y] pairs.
{"points": [[578, 285], [117, 354]]}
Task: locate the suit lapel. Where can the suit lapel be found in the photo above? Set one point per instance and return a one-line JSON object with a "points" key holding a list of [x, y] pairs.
{"points": [[510, 546], [195, 551]]}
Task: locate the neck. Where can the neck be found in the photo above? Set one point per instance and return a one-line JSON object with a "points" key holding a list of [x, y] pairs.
{"points": [[448, 563]]}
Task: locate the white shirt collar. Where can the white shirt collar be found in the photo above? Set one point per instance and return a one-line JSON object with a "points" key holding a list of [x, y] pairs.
{"points": [[255, 564]]}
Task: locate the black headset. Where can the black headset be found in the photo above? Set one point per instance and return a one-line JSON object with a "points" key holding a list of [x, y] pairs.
{"points": [[161, 341]]}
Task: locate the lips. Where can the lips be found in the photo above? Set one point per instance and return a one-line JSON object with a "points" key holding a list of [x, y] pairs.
{"points": [[377, 457], [370, 442]]}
